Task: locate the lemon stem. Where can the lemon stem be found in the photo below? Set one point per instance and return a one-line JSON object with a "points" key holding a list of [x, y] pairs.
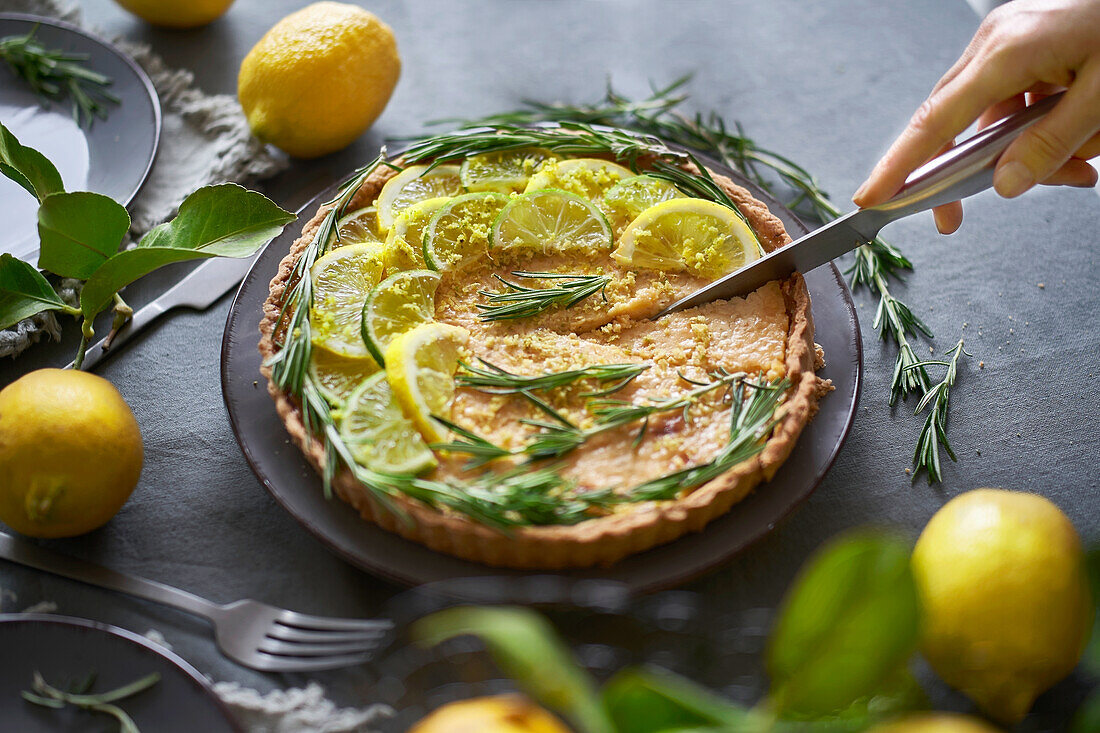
{"points": [[123, 314]]}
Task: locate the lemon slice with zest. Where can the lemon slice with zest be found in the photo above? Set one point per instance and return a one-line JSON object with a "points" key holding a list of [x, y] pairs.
{"points": [[550, 221], [378, 434], [505, 171], [628, 198], [414, 184], [342, 279], [398, 304], [701, 237], [337, 376], [587, 177], [420, 365], [405, 242], [460, 230], [359, 226]]}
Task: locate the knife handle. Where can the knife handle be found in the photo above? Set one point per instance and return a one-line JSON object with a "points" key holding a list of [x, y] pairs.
{"points": [[962, 171]]}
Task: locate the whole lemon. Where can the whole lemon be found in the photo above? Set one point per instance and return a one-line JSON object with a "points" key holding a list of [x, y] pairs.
{"points": [[318, 78], [1007, 611], [70, 453], [935, 723], [176, 14], [497, 714]]}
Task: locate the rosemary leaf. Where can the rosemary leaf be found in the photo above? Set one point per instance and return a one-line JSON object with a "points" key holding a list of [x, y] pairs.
{"points": [[520, 301], [494, 380], [926, 457]]}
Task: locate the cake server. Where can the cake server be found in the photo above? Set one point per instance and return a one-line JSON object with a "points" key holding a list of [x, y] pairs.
{"points": [[962, 171]]}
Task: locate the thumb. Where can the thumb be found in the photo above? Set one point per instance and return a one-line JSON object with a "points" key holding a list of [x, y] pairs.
{"points": [[1044, 147]]}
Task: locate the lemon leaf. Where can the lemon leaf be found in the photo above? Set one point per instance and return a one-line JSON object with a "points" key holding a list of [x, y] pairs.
{"points": [[849, 622], [28, 167], [1091, 658], [226, 220], [654, 700], [527, 649], [23, 292], [79, 232]]}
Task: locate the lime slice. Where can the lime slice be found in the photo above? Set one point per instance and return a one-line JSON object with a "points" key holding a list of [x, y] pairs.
{"points": [[702, 237], [420, 365], [342, 279], [405, 242], [505, 171], [414, 184], [587, 177], [460, 229], [552, 221], [631, 196], [337, 376], [378, 434], [398, 304], [359, 226]]}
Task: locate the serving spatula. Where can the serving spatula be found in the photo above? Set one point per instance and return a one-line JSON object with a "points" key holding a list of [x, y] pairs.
{"points": [[963, 171]]}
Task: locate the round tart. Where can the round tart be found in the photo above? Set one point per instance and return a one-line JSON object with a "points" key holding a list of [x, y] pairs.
{"points": [[568, 429]]}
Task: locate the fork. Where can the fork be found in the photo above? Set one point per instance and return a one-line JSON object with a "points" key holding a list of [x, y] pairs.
{"points": [[250, 633]]}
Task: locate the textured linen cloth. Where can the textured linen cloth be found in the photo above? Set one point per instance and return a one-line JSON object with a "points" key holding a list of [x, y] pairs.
{"points": [[204, 140]]}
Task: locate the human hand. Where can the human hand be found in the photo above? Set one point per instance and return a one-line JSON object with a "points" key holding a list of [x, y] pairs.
{"points": [[1023, 51]]}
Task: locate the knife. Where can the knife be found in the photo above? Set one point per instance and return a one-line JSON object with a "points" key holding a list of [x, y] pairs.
{"points": [[199, 290], [962, 171]]}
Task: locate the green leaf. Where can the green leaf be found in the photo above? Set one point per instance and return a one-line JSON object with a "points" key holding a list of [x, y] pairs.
{"points": [[528, 650], [216, 221], [29, 168], [849, 622], [654, 700], [1087, 718], [1091, 658], [23, 292], [79, 232]]}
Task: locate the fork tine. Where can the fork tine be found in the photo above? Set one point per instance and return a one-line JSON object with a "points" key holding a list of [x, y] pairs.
{"points": [[329, 623], [290, 633], [272, 663], [293, 649]]}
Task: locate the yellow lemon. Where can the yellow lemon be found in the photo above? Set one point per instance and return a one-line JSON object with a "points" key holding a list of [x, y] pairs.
{"points": [[497, 714], [176, 14], [318, 78], [935, 723], [70, 453], [1002, 579]]}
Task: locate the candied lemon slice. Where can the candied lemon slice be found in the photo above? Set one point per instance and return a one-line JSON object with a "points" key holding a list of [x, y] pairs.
{"points": [[405, 242], [587, 177], [550, 221], [628, 198], [398, 304], [505, 171], [359, 226], [420, 365], [412, 185], [702, 237], [460, 229], [336, 375], [378, 434], [342, 279]]}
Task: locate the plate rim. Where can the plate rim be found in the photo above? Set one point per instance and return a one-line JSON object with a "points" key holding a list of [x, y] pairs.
{"points": [[701, 569], [134, 66], [197, 678]]}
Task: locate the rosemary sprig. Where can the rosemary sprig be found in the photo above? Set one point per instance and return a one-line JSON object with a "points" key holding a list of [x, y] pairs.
{"points": [[934, 432], [521, 301], [480, 450], [52, 73], [48, 696], [495, 380]]}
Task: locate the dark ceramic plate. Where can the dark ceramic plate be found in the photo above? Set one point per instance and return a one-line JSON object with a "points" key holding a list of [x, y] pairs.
{"points": [[66, 650], [112, 156], [294, 484]]}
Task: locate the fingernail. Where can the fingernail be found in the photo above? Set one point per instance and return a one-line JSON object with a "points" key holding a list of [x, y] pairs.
{"points": [[1012, 179], [860, 192]]}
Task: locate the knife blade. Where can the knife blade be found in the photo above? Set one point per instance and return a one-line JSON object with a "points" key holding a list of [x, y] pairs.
{"points": [[962, 171], [200, 289]]}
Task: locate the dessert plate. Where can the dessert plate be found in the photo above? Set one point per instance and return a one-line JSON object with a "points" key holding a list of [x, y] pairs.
{"points": [[66, 650], [112, 156], [284, 472]]}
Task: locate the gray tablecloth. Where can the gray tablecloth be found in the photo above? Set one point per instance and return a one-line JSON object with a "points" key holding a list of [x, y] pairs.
{"points": [[829, 83]]}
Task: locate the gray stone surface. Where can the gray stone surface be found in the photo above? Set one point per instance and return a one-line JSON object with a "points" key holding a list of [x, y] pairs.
{"points": [[828, 83]]}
